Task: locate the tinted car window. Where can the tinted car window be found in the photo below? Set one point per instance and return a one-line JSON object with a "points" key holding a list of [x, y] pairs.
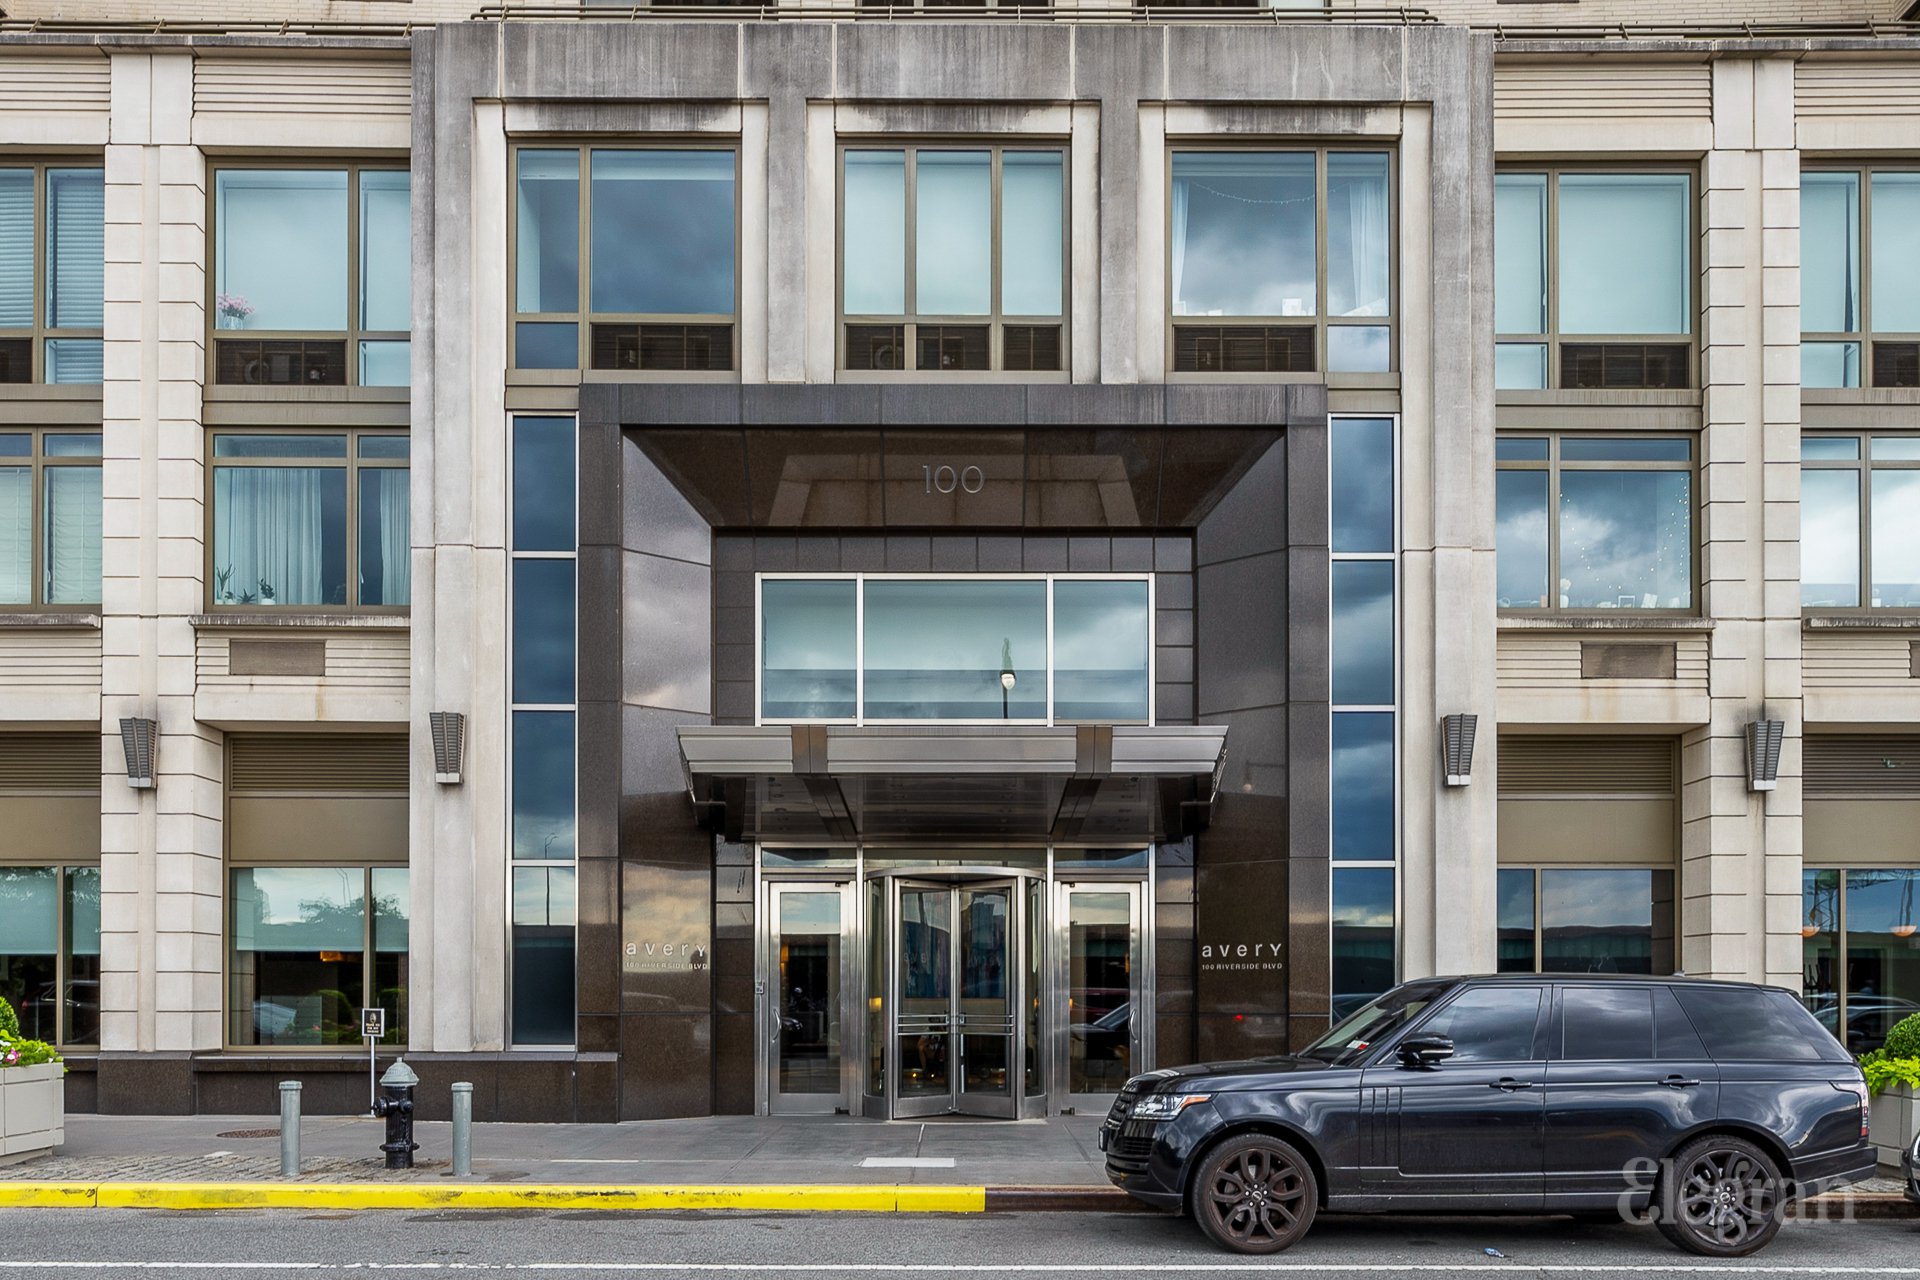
{"points": [[1369, 1024], [1488, 1024], [1741, 1024], [1673, 1036], [1606, 1024]]}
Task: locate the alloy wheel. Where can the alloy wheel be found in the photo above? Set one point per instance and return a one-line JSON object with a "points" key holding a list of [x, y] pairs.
{"points": [[1259, 1198], [1727, 1197]]}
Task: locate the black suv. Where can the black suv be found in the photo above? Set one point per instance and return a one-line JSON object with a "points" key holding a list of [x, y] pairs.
{"points": [[1705, 1106]]}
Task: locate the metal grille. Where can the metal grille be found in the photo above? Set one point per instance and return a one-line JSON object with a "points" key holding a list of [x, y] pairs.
{"points": [[317, 762], [43, 762], [1589, 765], [1864, 764]]}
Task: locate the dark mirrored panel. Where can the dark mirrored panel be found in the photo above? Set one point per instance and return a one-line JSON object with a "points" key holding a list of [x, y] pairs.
{"points": [[543, 631], [543, 784], [543, 484], [1363, 785], [1363, 633]]}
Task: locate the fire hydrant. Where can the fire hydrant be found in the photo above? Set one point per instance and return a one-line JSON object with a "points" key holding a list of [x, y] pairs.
{"points": [[396, 1104]]}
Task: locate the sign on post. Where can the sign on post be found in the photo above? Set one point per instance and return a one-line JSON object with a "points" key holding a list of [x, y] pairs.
{"points": [[373, 1025]]}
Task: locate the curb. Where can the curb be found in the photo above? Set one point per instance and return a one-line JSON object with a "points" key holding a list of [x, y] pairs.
{"points": [[1063, 1200], [280, 1195]]}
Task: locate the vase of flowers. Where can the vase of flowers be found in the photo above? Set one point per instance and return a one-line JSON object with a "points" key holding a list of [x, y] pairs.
{"points": [[230, 311]]}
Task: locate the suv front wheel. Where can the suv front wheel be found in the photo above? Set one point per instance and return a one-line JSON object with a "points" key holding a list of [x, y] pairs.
{"points": [[1255, 1194], [1722, 1197]]}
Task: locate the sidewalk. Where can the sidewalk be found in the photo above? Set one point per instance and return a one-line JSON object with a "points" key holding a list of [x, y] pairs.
{"points": [[737, 1162]]}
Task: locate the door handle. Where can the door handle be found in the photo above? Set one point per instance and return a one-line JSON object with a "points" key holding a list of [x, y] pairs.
{"points": [[1679, 1082], [1507, 1084]]}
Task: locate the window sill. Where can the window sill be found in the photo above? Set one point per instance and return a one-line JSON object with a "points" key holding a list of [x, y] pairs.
{"points": [[1625, 397], [1904, 396], [52, 621], [238, 392], [1603, 622], [306, 621], [1860, 622]]}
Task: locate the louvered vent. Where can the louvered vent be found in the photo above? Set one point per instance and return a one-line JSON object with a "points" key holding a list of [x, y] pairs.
{"points": [[1867, 764], [44, 762], [317, 762], [1587, 766]]}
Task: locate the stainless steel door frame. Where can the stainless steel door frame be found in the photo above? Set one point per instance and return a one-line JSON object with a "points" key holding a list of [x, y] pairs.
{"points": [[1138, 1037], [933, 1031], [1004, 1028], [774, 1101]]}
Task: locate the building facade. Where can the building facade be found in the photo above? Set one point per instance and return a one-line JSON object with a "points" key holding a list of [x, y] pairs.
{"points": [[810, 564]]}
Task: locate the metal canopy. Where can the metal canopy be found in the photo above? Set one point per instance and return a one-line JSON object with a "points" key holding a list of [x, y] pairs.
{"points": [[941, 783]]}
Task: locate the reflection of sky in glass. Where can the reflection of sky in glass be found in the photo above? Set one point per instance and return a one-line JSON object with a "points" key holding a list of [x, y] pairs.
{"points": [[1363, 784], [543, 895], [1596, 898], [807, 649], [934, 649], [1520, 538], [547, 223], [299, 909], [1361, 460], [543, 622], [1882, 898], [1829, 538], [543, 484], [1358, 348], [1829, 364], [1100, 650], [1829, 252], [1363, 898], [1363, 632], [1520, 253], [1362, 959], [662, 227], [1242, 234], [543, 784], [1895, 553], [1515, 891], [1626, 539]]}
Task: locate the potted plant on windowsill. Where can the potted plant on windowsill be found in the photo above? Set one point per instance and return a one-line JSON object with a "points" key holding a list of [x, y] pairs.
{"points": [[33, 1093], [1893, 1078]]}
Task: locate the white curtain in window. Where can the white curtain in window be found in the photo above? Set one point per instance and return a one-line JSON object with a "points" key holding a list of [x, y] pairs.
{"points": [[16, 248], [73, 535], [386, 534], [76, 247], [16, 535], [1357, 250], [269, 524]]}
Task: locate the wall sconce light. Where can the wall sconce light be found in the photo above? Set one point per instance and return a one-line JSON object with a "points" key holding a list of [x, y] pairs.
{"points": [[449, 745], [138, 737], [1763, 754], [1456, 740]]}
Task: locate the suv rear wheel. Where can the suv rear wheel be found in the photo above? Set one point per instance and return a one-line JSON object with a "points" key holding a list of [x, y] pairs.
{"points": [[1722, 1197], [1255, 1194]]}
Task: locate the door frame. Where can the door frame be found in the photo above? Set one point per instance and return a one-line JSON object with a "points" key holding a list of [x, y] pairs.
{"points": [[1141, 991], [767, 1022]]}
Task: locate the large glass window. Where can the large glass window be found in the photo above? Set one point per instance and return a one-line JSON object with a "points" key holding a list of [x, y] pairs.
{"points": [[1586, 920], [1364, 961], [953, 259], [1594, 522], [624, 258], [1250, 289], [311, 519], [1860, 941], [974, 648], [312, 276], [311, 947], [49, 518], [52, 267], [1860, 277], [1859, 521], [1593, 279], [50, 951]]}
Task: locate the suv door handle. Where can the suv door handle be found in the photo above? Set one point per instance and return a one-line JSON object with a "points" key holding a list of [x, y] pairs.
{"points": [[1679, 1082], [1507, 1084]]}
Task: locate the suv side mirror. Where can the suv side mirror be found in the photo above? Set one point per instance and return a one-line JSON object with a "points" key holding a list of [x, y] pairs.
{"points": [[1425, 1051]]}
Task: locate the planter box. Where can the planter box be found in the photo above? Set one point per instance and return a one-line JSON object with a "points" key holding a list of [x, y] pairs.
{"points": [[1896, 1122], [33, 1111]]}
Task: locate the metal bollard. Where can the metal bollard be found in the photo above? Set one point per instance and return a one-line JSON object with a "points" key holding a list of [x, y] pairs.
{"points": [[289, 1128], [462, 1130]]}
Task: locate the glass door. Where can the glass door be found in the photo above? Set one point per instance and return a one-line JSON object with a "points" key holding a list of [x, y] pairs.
{"points": [[923, 1083], [985, 1008], [808, 967], [1099, 986]]}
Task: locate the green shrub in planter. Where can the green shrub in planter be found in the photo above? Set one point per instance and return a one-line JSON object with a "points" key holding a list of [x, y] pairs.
{"points": [[18, 1052], [1898, 1061]]}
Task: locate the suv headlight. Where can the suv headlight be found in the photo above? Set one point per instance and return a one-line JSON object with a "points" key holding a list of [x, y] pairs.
{"points": [[1165, 1106]]}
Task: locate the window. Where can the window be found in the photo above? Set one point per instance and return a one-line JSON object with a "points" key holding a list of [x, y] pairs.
{"points": [[1254, 285], [623, 259], [1488, 1024], [1586, 920], [1860, 277], [49, 518], [1593, 280], [311, 519], [885, 649], [50, 951], [312, 946], [543, 769], [1594, 522], [953, 259], [1753, 1024], [1858, 939], [1859, 521], [312, 277], [1365, 960], [1602, 1024], [52, 268]]}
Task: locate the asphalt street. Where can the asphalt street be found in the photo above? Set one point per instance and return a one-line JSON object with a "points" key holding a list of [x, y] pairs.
{"points": [[277, 1245]]}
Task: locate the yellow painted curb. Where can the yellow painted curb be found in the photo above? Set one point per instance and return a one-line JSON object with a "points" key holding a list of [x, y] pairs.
{"points": [[285, 1195]]}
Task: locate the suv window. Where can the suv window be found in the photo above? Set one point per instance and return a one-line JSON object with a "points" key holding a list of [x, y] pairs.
{"points": [[1745, 1024], [1606, 1024], [1489, 1024]]}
